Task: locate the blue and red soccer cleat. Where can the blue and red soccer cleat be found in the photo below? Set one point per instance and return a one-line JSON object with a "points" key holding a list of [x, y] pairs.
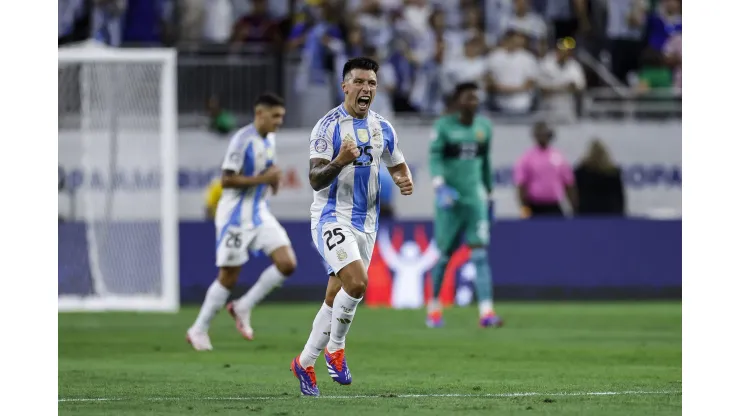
{"points": [[306, 376], [491, 319], [434, 320], [337, 365]]}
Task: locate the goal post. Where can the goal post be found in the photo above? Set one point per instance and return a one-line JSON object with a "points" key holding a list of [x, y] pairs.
{"points": [[118, 247]]}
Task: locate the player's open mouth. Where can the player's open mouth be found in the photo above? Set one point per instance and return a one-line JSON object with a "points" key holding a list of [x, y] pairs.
{"points": [[363, 102]]}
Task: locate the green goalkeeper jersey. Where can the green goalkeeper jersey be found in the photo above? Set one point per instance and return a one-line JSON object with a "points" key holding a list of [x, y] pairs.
{"points": [[460, 156]]}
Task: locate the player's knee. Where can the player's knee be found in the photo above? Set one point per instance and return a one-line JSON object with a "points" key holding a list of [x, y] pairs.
{"points": [[228, 276], [355, 286], [286, 267], [356, 289]]}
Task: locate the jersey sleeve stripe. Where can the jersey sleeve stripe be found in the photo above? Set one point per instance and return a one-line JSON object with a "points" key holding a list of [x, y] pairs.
{"points": [[391, 134], [249, 160]]}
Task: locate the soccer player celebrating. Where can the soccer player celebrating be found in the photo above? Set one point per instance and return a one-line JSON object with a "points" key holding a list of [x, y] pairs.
{"points": [[346, 146], [461, 175], [244, 224]]}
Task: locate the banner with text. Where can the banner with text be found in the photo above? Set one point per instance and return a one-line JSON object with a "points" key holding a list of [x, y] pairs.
{"points": [[117, 175], [535, 259]]}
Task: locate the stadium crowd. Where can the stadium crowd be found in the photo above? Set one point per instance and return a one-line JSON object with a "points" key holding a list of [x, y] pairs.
{"points": [[521, 52]]}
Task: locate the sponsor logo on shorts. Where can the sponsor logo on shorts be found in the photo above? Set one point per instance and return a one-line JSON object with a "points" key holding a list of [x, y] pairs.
{"points": [[341, 254]]}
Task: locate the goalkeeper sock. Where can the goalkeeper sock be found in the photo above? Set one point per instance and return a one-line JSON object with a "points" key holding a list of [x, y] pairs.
{"points": [[216, 297], [319, 337], [438, 275], [483, 284], [269, 280]]}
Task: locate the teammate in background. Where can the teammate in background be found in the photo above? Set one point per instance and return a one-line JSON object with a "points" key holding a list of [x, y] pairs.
{"points": [[244, 224], [461, 175], [346, 146]]}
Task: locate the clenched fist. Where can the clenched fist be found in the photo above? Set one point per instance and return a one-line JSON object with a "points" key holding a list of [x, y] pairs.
{"points": [[405, 184], [348, 152]]}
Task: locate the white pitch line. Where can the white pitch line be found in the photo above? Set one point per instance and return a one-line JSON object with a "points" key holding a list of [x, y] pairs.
{"points": [[368, 396]]}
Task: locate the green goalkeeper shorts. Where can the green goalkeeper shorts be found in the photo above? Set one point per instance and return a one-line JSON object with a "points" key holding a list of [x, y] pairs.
{"points": [[467, 223]]}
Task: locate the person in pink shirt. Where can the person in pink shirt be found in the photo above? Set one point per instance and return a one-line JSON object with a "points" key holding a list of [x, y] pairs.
{"points": [[543, 177]]}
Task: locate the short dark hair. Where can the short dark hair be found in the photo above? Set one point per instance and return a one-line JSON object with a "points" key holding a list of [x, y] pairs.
{"points": [[360, 63], [462, 87], [269, 99]]}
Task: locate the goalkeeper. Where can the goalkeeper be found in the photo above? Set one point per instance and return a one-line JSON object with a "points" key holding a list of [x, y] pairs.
{"points": [[461, 174]]}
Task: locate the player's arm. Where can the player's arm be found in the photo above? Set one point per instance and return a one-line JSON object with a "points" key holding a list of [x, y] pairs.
{"points": [[396, 163], [324, 168], [444, 194], [238, 167], [487, 176], [436, 155]]}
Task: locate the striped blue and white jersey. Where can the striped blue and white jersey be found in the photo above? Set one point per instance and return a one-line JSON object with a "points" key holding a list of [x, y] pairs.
{"points": [[352, 198], [248, 154]]}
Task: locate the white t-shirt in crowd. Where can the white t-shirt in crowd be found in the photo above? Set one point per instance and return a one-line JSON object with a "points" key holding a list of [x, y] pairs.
{"points": [[513, 69], [560, 106]]}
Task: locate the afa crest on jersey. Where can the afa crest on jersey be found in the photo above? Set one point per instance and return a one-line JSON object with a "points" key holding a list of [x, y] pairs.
{"points": [[480, 135], [363, 135]]}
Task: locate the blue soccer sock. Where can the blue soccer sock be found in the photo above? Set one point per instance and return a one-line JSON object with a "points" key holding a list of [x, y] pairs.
{"points": [[483, 283]]}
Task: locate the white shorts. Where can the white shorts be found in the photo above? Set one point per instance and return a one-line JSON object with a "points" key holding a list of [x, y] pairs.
{"points": [[234, 242], [340, 245]]}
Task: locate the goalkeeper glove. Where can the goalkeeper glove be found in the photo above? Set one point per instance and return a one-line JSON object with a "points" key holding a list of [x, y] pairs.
{"points": [[446, 196]]}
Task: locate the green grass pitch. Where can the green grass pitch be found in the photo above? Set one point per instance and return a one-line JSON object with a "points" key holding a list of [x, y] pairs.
{"points": [[549, 359]]}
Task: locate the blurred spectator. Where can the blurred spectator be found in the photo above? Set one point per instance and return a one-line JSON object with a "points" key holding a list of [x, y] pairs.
{"points": [[256, 26], [543, 176], [220, 120], [472, 26], [528, 22], [383, 102], [561, 77], [355, 45], [74, 21], [653, 72], [672, 54], [376, 25], [108, 20], [218, 21], [416, 17], [428, 82], [387, 187], [663, 23], [599, 183], [471, 67], [624, 31], [319, 39], [191, 22], [148, 22], [569, 17], [513, 72], [496, 14]]}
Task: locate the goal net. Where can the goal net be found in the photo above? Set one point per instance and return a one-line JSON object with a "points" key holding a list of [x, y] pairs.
{"points": [[118, 238]]}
